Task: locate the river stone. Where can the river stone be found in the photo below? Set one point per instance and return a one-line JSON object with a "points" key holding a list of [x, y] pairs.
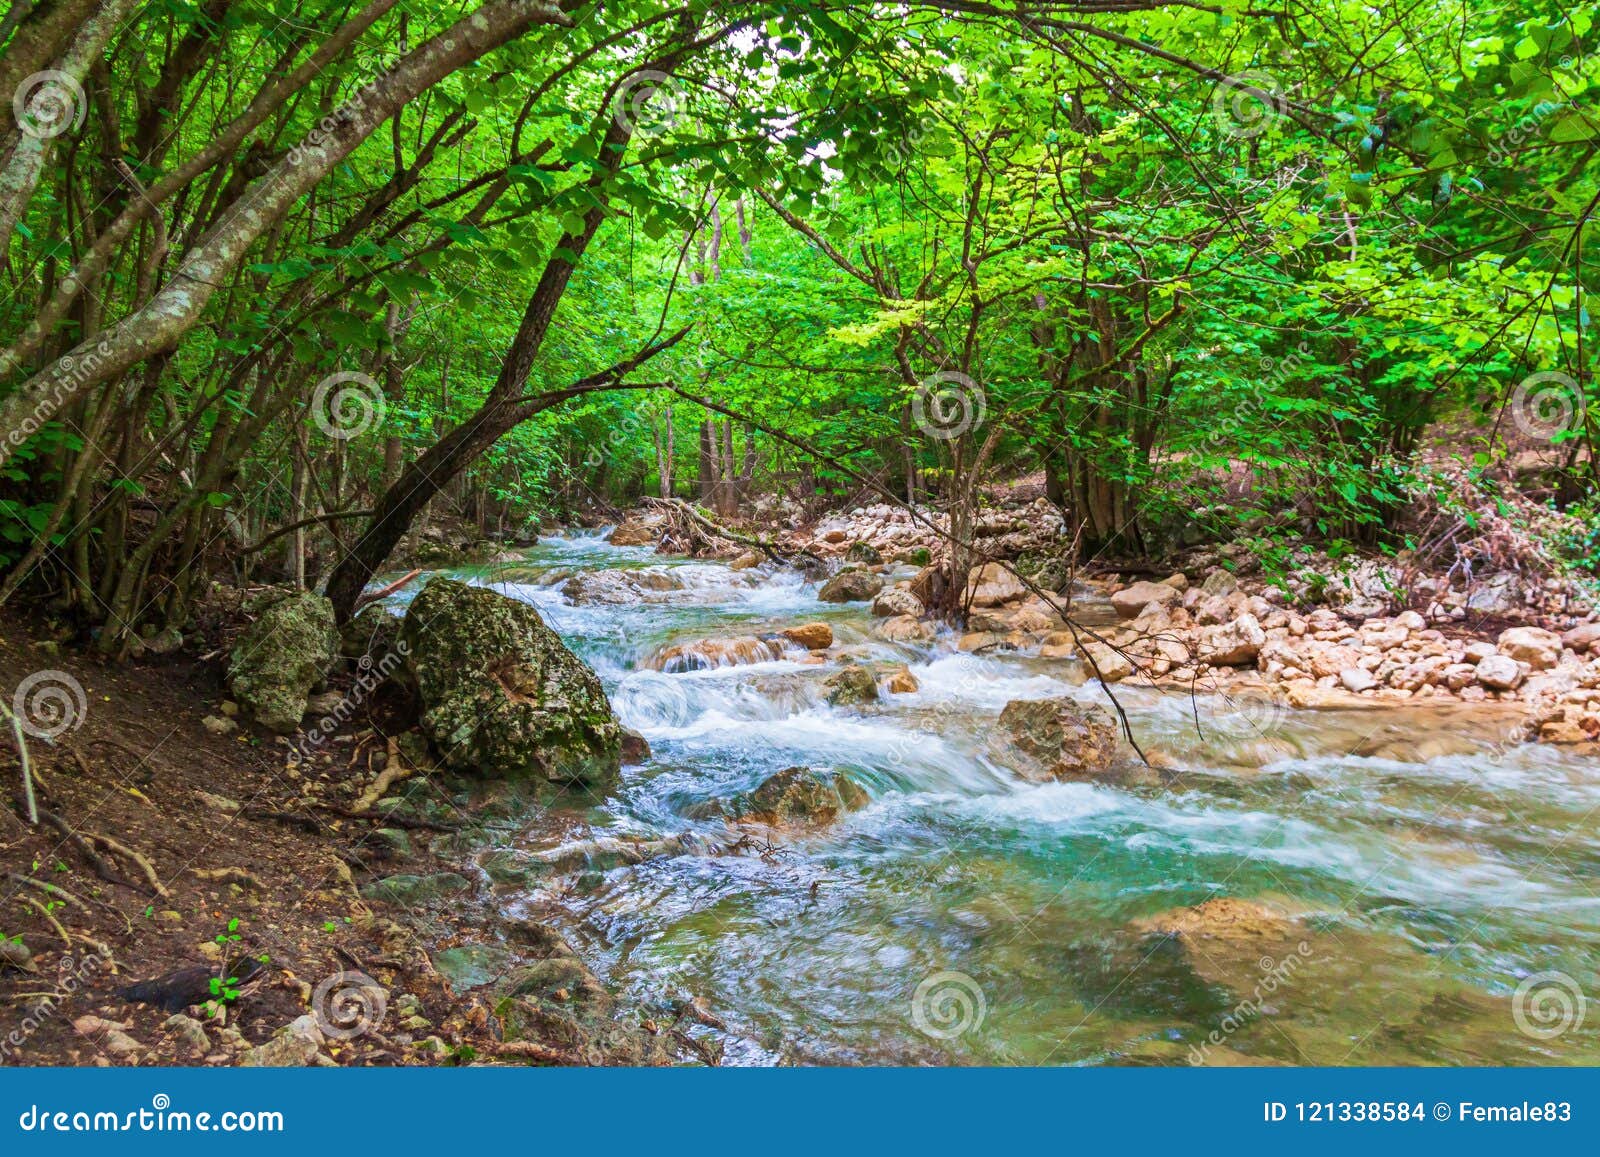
{"points": [[710, 654], [617, 587], [1058, 738], [992, 584], [635, 748], [632, 534], [904, 629], [1357, 679], [850, 586], [1584, 637], [811, 636], [901, 681], [1499, 672], [501, 695], [896, 601], [281, 656], [1499, 594], [1233, 644], [295, 1044], [408, 889], [799, 795], [850, 685], [864, 552], [1131, 601], [1535, 646]]}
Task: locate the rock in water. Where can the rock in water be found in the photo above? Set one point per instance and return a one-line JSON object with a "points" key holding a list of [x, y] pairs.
{"points": [[811, 636], [633, 534], [897, 601], [850, 685], [850, 586], [1058, 738], [282, 656], [501, 694], [794, 797]]}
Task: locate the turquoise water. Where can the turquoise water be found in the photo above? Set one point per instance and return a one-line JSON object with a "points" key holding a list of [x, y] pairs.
{"points": [[1425, 867]]}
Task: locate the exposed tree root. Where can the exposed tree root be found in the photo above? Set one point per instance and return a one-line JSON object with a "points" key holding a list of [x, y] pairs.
{"points": [[30, 902], [48, 889], [393, 821], [533, 1051], [394, 770], [82, 846]]}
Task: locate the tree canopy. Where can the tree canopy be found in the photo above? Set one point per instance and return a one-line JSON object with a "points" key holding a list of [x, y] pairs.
{"points": [[314, 266]]}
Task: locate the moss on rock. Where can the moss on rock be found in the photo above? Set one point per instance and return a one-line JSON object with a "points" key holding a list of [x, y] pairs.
{"points": [[502, 696], [281, 656]]}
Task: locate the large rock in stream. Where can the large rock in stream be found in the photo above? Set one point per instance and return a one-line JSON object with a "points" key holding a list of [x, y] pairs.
{"points": [[850, 586], [1057, 738], [796, 797], [281, 656], [501, 695]]}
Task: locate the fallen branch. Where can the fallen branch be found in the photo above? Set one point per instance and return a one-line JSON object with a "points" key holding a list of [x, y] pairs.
{"points": [[697, 530], [373, 596], [301, 820]]}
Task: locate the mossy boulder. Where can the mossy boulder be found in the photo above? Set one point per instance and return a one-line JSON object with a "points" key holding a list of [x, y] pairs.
{"points": [[372, 634], [501, 695], [406, 889], [281, 656]]}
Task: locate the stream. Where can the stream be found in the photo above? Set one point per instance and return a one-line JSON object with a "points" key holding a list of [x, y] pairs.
{"points": [[966, 916]]}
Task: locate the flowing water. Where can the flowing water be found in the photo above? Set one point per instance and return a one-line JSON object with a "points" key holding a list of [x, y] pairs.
{"points": [[1442, 883]]}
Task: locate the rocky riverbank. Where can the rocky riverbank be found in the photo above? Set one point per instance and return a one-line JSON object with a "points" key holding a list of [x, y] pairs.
{"points": [[1324, 635]]}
